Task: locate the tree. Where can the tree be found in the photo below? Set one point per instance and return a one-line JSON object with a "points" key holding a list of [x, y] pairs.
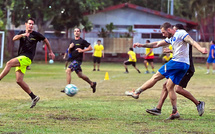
{"points": [[62, 14]]}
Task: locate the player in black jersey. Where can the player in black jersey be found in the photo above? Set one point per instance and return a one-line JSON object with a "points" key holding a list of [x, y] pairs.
{"points": [[76, 48], [27, 47]]}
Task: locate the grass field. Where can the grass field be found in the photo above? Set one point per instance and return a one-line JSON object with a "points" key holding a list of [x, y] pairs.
{"points": [[108, 111]]}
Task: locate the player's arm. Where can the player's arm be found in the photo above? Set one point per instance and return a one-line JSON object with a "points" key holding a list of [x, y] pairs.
{"points": [[46, 41], [130, 56], [89, 48], [152, 44], [189, 40], [19, 36]]}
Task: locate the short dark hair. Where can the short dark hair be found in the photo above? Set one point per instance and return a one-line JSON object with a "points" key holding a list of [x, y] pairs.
{"points": [[213, 41], [179, 26], [148, 41], [77, 28], [30, 19], [131, 49], [99, 40], [166, 25]]}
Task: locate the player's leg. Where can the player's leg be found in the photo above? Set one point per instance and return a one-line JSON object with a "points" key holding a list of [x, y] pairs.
{"points": [[68, 75], [152, 65], [25, 87], [173, 98], [148, 84], [11, 63], [98, 63], [125, 65], [94, 63], [146, 66], [163, 96], [213, 64], [85, 78], [134, 65]]}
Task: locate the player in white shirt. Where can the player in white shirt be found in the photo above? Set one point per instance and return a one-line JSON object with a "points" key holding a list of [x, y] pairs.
{"points": [[173, 70]]}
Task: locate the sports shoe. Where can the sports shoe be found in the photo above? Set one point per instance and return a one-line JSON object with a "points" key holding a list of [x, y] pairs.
{"points": [[154, 111], [153, 72], [34, 101], [201, 108], [98, 70], [207, 73], [174, 116], [62, 91], [94, 69], [125, 72], [146, 72], [132, 93], [94, 87]]}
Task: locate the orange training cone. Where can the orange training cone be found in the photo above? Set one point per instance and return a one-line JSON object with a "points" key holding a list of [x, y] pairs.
{"points": [[106, 76]]}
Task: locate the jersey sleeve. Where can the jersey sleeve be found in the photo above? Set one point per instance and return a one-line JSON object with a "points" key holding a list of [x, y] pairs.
{"points": [[85, 43]]}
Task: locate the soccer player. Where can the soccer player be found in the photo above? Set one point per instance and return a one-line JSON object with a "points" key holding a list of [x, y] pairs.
{"points": [[28, 43], [149, 59], [211, 58], [175, 69], [68, 59], [131, 61], [180, 88], [97, 54], [76, 48]]}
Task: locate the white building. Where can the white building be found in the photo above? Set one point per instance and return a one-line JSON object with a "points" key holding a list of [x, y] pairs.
{"points": [[145, 22]]}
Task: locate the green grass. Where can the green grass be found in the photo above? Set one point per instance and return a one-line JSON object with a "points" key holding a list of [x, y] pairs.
{"points": [[108, 111]]}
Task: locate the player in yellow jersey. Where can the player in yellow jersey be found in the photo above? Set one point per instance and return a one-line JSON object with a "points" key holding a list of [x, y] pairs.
{"points": [[149, 58], [131, 61], [97, 54]]}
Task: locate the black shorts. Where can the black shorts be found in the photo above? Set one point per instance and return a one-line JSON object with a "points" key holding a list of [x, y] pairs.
{"points": [[149, 60], [184, 81], [75, 66], [96, 59], [130, 63]]}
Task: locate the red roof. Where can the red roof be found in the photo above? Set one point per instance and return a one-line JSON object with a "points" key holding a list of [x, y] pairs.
{"points": [[147, 10]]}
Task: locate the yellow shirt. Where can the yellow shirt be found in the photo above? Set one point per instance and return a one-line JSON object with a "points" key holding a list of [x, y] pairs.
{"points": [[98, 50], [166, 58], [148, 51], [133, 55], [170, 47]]}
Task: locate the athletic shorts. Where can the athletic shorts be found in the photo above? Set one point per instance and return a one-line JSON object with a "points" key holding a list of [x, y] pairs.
{"points": [[24, 62], [75, 66], [210, 60], [174, 70], [184, 81], [149, 60], [130, 63], [96, 59]]}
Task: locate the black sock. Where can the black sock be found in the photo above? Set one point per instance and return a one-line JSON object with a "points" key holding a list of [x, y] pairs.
{"points": [[138, 71], [32, 95], [174, 110], [126, 69]]}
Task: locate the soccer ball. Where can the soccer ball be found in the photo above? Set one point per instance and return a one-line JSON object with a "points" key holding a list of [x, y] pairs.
{"points": [[51, 61], [71, 90]]}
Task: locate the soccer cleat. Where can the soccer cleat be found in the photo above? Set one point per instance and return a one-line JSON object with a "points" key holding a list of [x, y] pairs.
{"points": [[34, 101], [154, 111], [147, 72], [153, 72], [201, 108], [132, 93], [129, 93], [62, 91], [94, 87], [98, 70], [125, 72], [94, 69], [174, 116]]}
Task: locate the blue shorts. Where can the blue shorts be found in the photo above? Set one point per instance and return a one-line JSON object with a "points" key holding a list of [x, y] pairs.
{"points": [[174, 70], [210, 60], [75, 66]]}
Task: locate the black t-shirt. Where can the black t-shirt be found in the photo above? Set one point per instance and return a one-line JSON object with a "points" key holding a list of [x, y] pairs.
{"points": [[27, 46], [80, 43]]}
